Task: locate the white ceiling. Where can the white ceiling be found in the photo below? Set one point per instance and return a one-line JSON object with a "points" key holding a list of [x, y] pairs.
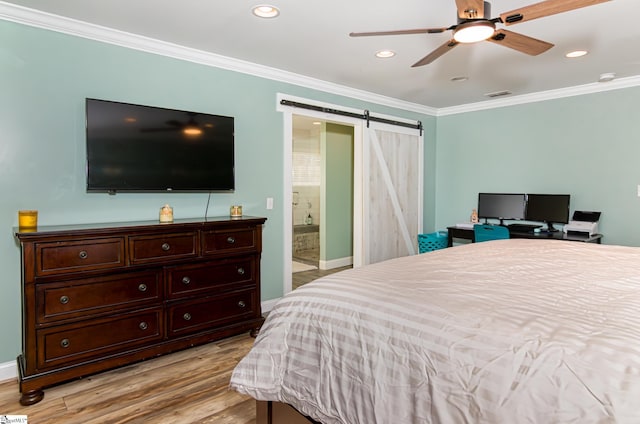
{"points": [[310, 38]]}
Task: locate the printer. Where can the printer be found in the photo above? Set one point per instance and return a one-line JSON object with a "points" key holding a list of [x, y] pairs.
{"points": [[583, 223]]}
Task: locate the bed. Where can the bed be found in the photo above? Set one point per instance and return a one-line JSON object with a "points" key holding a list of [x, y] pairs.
{"points": [[507, 331]]}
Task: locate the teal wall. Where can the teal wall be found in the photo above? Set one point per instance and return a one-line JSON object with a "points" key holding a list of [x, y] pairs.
{"points": [[336, 233], [587, 146], [44, 79]]}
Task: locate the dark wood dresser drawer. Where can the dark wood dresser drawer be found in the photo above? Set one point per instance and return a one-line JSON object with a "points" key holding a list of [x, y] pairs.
{"points": [[228, 240], [189, 280], [75, 256], [67, 344], [189, 317], [157, 248], [91, 296]]}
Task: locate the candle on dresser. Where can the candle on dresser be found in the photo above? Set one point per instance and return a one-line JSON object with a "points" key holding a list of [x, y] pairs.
{"points": [[235, 211], [166, 214], [27, 219]]}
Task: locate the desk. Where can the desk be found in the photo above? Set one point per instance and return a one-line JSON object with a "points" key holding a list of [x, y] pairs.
{"points": [[467, 234]]}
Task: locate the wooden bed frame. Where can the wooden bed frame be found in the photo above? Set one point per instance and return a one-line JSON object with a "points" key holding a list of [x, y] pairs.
{"points": [[268, 412]]}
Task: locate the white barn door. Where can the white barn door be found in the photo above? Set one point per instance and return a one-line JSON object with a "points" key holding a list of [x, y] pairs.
{"points": [[392, 192]]}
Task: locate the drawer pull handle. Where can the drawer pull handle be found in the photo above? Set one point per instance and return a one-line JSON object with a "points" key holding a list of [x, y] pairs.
{"points": [[187, 316], [166, 246], [143, 325], [186, 280], [142, 287], [241, 304], [83, 254], [65, 343], [241, 271], [231, 240], [64, 299]]}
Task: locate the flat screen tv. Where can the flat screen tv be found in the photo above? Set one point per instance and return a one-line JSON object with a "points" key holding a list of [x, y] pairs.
{"points": [[139, 148], [502, 206], [548, 208]]}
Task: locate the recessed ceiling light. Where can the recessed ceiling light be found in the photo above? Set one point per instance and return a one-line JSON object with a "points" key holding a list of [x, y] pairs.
{"points": [[576, 53], [606, 77], [265, 11], [384, 54], [317, 122], [459, 79]]}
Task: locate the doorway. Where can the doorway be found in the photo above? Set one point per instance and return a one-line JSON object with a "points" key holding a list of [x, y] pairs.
{"points": [[322, 198], [383, 167]]}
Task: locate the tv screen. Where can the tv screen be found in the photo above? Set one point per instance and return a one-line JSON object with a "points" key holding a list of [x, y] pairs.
{"points": [[501, 205], [548, 208], [150, 149]]}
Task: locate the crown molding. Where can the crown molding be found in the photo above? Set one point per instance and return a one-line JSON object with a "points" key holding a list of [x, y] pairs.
{"points": [[48, 21], [35, 18], [540, 96]]}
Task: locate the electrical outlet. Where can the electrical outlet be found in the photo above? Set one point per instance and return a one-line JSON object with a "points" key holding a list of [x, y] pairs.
{"points": [[270, 200]]}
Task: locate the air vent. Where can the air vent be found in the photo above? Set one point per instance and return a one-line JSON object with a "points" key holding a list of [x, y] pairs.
{"points": [[498, 93]]}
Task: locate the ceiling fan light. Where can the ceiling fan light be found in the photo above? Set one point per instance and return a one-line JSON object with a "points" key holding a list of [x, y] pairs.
{"points": [[474, 31]]}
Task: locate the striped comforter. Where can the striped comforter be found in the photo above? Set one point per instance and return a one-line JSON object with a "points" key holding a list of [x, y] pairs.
{"points": [[509, 331]]}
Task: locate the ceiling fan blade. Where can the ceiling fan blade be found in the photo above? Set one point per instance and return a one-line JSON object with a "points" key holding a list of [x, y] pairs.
{"points": [[470, 9], [522, 43], [148, 130], [175, 123], [399, 32], [436, 53], [545, 8]]}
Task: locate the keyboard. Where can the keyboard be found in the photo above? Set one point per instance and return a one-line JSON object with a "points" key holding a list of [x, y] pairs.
{"points": [[523, 228]]}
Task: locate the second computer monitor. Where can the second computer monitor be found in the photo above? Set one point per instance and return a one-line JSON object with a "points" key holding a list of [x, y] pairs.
{"points": [[501, 206], [548, 208]]}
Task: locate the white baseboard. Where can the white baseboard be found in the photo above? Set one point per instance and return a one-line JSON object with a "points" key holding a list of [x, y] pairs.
{"points": [[336, 263], [267, 305], [8, 371]]}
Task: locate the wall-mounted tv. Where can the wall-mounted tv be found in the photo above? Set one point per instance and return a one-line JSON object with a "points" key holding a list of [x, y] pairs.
{"points": [[138, 148]]}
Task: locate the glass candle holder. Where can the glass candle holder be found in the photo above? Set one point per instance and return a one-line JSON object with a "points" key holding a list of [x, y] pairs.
{"points": [[166, 214], [235, 211], [27, 219]]}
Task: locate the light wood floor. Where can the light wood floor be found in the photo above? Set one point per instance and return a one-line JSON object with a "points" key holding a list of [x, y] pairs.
{"points": [[187, 387], [301, 278], [310, 257]]}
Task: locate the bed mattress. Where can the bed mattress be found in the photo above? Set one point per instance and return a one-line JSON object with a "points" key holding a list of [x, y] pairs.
{"points": [[508, 331]]}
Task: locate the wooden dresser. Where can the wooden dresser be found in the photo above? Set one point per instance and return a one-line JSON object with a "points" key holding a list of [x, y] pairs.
{"points": [[100, 296]]}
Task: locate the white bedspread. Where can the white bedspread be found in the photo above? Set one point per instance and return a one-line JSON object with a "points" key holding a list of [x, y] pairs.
{"points": [[509, 331]]}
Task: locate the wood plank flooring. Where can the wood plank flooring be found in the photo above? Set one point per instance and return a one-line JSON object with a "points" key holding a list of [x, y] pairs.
{"points": [[310, 257], [185, 387], [301, 278]]}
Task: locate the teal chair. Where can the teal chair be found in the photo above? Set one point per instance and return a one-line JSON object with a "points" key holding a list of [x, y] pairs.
{"points": [[486, 232]]}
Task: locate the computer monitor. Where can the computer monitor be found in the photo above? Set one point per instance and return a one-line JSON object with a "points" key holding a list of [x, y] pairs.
{"points": [[548, 208], [501, 206]]}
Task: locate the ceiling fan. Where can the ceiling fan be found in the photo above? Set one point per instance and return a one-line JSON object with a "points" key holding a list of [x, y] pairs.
{"points": [[474, 24]]}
